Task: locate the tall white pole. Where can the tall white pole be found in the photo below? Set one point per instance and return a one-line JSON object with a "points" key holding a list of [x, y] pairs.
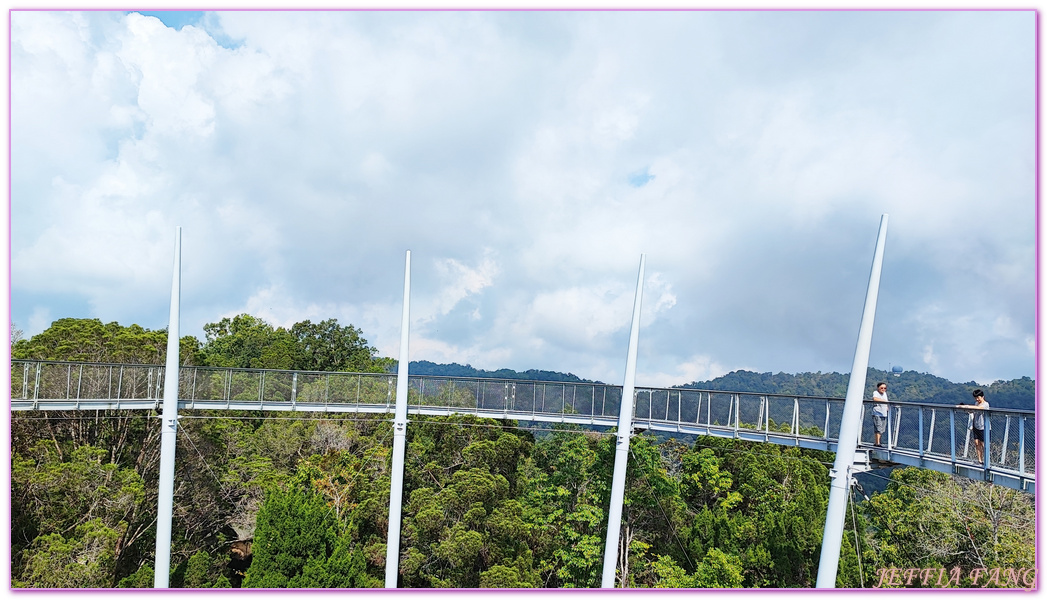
{"points": [[621, 450], [835, 515], [168, 430], [396, 488]]}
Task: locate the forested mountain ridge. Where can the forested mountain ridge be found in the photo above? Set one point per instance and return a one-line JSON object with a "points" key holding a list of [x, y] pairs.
{"points": [[276, 500], [246, 341], [424, 367], [908, 386]]}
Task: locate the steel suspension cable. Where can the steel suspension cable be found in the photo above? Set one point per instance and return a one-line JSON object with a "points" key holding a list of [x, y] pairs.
{"points": [[668, 522], [854, 526]]}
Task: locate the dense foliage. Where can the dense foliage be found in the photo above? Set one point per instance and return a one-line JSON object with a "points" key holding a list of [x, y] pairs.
{"points": [[266, 500], [89, 340]]}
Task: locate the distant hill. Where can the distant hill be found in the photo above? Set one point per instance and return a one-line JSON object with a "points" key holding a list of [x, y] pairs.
{"points": [[424, 367], [909, 386]]}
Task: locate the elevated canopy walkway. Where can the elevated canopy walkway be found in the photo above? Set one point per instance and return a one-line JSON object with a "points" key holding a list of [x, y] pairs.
{"points": [[931, 436]]}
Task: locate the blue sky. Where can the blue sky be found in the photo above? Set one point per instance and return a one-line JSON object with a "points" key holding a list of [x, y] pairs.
{"points": [[175, 19], [527, 159]]}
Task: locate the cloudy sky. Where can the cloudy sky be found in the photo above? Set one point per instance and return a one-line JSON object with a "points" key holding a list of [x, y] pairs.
{"points": [[527, 160]]}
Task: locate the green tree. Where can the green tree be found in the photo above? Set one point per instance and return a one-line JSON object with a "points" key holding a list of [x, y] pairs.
{"points": [[785, 490], [245, 341], [84, 560], [144, 577], [89, 340], [718, 570], [203, 571], [461, 516], [295, 528], [125, 441], [927, 519], [248, 342], [652, 511], [759, 506], [52, 497], [300, 543], [668, 574], [567, 493], [517, 574], [328, 346]]}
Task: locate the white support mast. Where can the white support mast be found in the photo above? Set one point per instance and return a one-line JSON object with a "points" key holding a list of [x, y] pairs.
{"points": [[396, 488], [168, 431], [621, 451], [839, 488]]}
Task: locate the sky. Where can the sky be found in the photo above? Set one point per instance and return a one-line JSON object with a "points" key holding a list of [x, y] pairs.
{"points": [[527, 160]]}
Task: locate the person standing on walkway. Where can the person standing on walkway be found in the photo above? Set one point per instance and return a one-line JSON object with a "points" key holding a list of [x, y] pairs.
{"points": [[978, 425], [880, 407]]}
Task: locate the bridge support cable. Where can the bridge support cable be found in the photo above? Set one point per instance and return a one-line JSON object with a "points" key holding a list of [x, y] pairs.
{"points": [[857, 543], [396, 489], [840, 475], [168, 430], [621, 450]]}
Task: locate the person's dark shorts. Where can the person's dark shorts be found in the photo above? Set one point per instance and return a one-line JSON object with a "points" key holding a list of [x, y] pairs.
{"points": [[880, 423], [978, 434]]}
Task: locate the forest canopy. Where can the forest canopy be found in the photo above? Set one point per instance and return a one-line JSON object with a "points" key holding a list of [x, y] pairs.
{"points": [[271, 500]]}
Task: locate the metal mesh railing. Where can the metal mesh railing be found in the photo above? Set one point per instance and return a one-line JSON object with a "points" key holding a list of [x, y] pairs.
{"points": [[804, 416], [926, 430], [946, 432], [39, 380], [537, 398]]}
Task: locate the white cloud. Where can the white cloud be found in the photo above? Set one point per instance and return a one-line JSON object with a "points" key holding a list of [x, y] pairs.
{"points": [[39, 320], [658, 298], [375, 168], [970, 341], [579, 317], [460, 281], [167, 66], [424, 348], [696, 368], [273, 305], [930, 360], [499, 147]]}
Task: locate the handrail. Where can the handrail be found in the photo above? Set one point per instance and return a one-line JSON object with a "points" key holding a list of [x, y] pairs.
{"points": [[693, 389], [159, 369], [893, 403], [916, 432]]}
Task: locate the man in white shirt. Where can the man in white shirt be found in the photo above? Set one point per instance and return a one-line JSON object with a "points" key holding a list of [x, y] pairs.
{"points": [[978, 423], [880, 410]]}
